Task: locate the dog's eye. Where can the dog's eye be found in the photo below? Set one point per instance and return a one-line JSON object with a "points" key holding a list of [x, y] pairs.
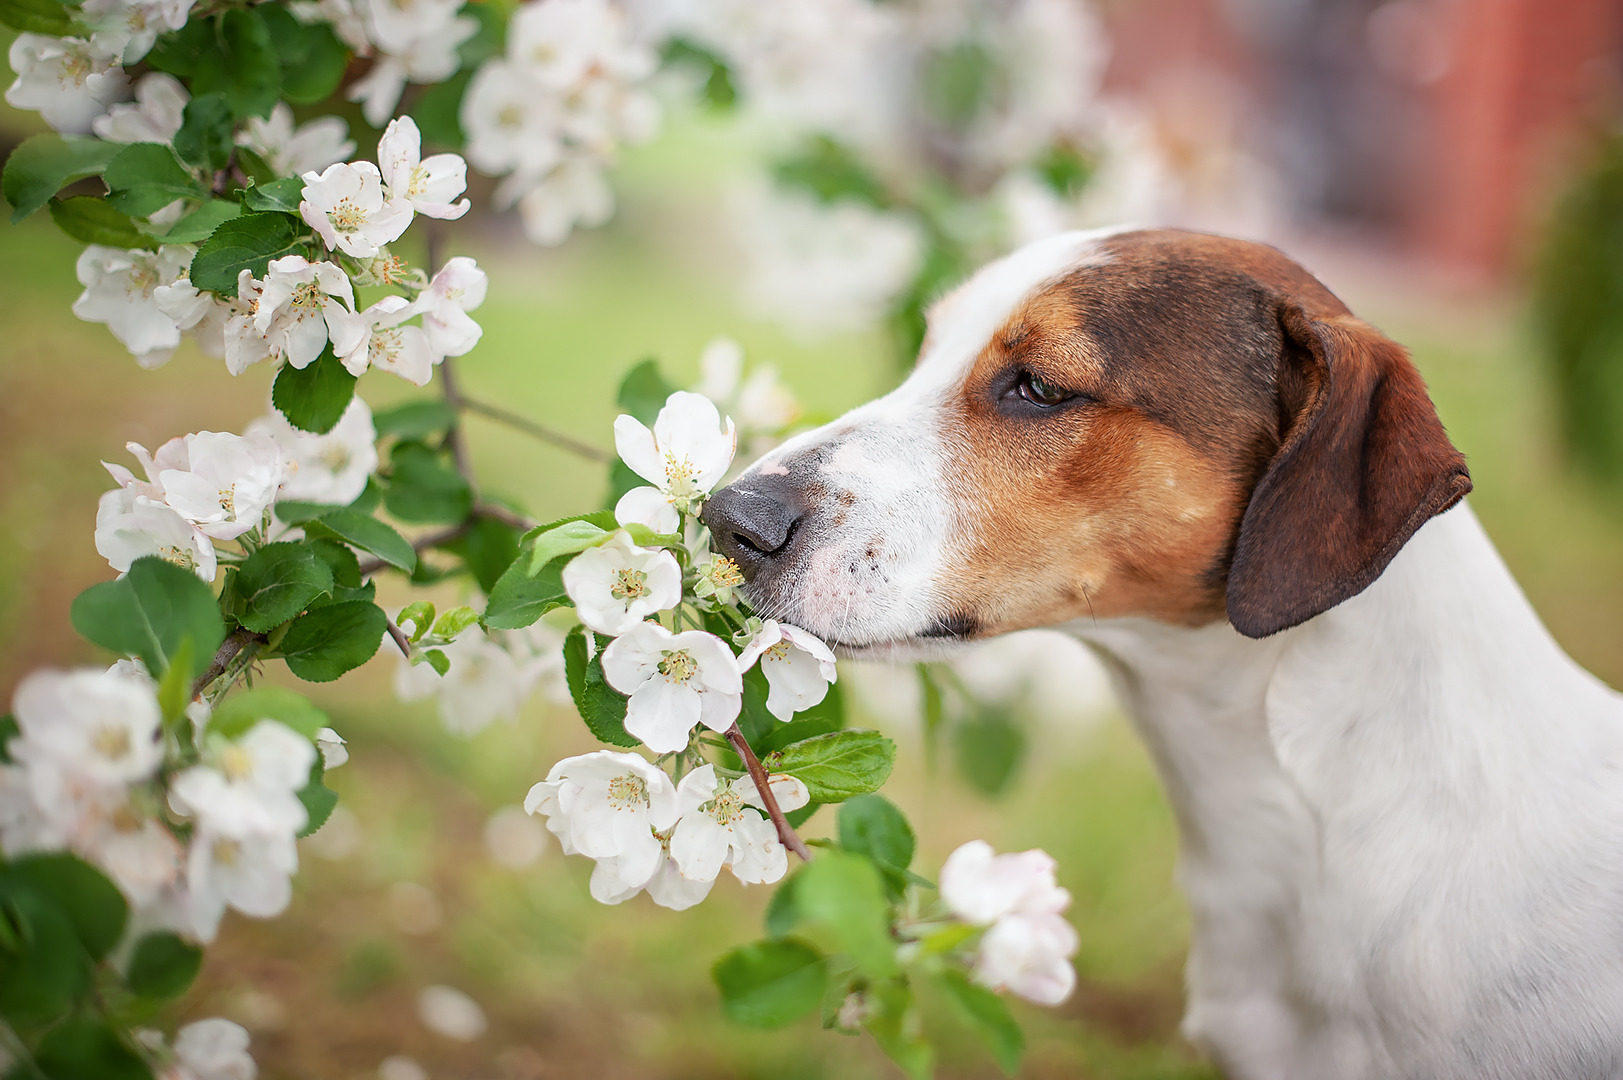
{"points": [[1044, 395]]}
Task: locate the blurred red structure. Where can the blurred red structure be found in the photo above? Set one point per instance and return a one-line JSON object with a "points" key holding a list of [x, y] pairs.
{"points": [[1443, 127]]}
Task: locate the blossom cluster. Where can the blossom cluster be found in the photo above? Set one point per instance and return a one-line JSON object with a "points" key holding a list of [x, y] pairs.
{"points": [[1028, 944]]}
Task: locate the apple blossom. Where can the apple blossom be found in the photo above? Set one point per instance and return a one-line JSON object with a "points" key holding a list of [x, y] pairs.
{"points": [[102, 725], [797, 665], [717, 577], [980, 886], [761, 403], [344, 16], [155, 115], [458, 288], [251, 873], [244, 343], [228, 484], [718, 828], [334, 750], [512, 126], [1029, 955], [68, 80], [330, 469], [376, 338], [490, 679], [675, 681], [128, 28], [120, 284], [130, 525], [683, 457], [607, 806], [291, 151], [428, 185], [415, 40], [299, 303], [576, 193], [346, 206], [617, 584], [563, 42], [248, 786], [213, 1049]]}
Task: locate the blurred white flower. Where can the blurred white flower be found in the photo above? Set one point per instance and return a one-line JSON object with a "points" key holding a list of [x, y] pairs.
{"points": [[576, 193], [719, 828], [683, 457], [416, 40], [401, 1067], [617, 584], [491, 675], [761, 403], [377, 337], [607, 806], [155, 115], [130, 525], [428, 186], [103, 726], [514, 838], [291, 151], [511, 125], [212, 1049], [128, 28], [797, 665], [344, 16], [251, 873], [249, 786], [69, 81], [447, 1011], [334, 750], [675, 681], [330, 469], [458, 288], [120, 284], [227, 484], [1028, 947], [299, 304], [345, 205], [1030, 956]]}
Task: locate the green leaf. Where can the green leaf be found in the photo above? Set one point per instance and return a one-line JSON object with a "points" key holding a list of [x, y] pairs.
{"points": [[175, 689], [990, 748], [8, 731], [719, 92], [44, 164], [241, 64], [768, 984], [782, 914], [341, 560], [599, 704], [957, 82], [149, 612], [836, 766], [204, 140], [143, 178], [319, 800], [488, 549], [312, 398], [202, 223], [767, 733], [38, 17], [420, 613], [424, 486], [312, 58], [367, 533], [180, 51], [92, 905], [643, 391], [163, 965], [437, 660], [990, 1018], [277, 582], [237, 714], [323, 644], [830, 171], [871, 825], [518, 599], [844, 895], [438, 111], [91, 221], [934, 714], [567, 539], [1064, 169], [249, 243], [43, 967], [454, 621], [86, 1049], [279, 196], [895, 1025], [415, 419], [298, 511]]}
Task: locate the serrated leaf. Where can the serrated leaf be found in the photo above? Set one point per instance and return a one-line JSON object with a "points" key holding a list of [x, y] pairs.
{"points": [[367, 533], [278, 196], [836, 766], [148, 612], [424, 486], [204, 140], [567, 539], [163, 965], [91, 221], [519, 599], [323, 644], [249, 243], [143, 178], [277, 582], [44, 164], [600, 705], [454, 621], [990, 1018], [340, 559], [435, 659], [313, 398], [768, 984], [237, 714], [202, 223], [420, 614]]}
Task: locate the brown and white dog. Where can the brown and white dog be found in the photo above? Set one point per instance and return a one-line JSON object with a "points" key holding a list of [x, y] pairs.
{"points": [[1401, 804]]}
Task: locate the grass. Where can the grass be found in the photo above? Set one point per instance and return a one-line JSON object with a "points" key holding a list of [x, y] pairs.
{"points": [[573, 989]]}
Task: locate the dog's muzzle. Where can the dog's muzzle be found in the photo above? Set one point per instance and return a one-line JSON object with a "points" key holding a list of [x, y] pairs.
{"points": [[755, 522]]}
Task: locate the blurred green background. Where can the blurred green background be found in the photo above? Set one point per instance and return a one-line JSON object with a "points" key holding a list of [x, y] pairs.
{"points": [[573, 989]]}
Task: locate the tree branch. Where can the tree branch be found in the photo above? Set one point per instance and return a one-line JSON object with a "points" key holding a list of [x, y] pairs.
{"points": [[539, 431], [786, 832], [399, 636], [234, 643]]}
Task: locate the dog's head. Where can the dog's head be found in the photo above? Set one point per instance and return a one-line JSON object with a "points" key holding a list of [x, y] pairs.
{"points": [[1158, 423]]}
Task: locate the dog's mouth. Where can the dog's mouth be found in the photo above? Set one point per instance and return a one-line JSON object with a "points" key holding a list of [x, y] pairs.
{"points": [[937, 641]]}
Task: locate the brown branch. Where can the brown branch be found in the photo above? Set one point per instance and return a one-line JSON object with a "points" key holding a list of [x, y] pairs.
{"points": [[786, 832], [454, 436], [399, 636], [539, 431], [234, 643]]}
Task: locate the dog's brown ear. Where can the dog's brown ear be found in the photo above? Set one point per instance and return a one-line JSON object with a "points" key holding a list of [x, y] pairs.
{"points": [[1363, 462]]}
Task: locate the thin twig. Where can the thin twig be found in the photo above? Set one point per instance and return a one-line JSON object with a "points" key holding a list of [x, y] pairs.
{"points": [[238, 640], [539, 431], [400, 639], [786, 832], [459, 445]]}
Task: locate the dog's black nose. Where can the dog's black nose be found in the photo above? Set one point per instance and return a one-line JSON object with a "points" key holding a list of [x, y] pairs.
{"points": [[752, 521]]}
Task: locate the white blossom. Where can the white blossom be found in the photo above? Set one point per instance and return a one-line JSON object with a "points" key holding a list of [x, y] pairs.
{"points": [[154, 116], [128, 28], [334, 750], [576, 193], [299, 303], [377, 337], [1029, 955], [344, 16], [447, 1011], [797, 665], [249, 786], [719, 828], [427, 185], [761, 404], [683, 458], [345, 205], [244, 343], [608, 806], [228, 484], [458, 288], [68, 80], [213, 1049], [511, 125], [251, 873], [120, 286], [101, 725], [415, 40], [1028, 947], [130, 525], [488, 680], [330, 469], [291, 151], [617, 584], [675, 681]]}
